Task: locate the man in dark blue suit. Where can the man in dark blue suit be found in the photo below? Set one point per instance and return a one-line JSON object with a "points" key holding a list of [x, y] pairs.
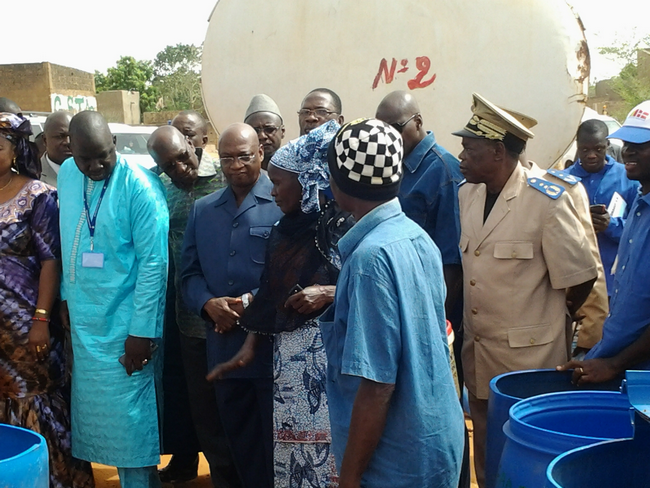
{"points": [[223, 256]]}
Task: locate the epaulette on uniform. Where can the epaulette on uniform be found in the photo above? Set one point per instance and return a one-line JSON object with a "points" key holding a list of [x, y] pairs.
{"points": [[549, 189], [564, 176]]}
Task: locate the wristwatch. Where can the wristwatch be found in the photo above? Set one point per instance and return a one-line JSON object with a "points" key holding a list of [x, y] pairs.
{"points": [[245, 300]]}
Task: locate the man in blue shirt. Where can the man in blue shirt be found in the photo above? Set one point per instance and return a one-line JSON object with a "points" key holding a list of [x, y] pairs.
{"points": [[396, 420], [429, 196], [429, 190], [222, 260], [626, 335], [602, 176]]}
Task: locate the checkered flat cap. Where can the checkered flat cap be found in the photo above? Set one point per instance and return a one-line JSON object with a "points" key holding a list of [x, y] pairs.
{"points": [[366, 159]]}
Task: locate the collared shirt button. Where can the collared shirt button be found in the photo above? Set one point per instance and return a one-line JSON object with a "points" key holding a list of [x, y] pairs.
{"points": [[623, 267], [266, 233], [630, 241], [477, 339], [532, 341], [472, 282], [474, 311], [638, 214], [477, 253], [235, 224], [233, 252], [514, 254], [231, 282]]}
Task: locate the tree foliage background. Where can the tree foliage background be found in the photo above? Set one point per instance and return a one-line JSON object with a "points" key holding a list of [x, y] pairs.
{"points": [[172, 81], [631, 85], [129, 74], [177, 76]]}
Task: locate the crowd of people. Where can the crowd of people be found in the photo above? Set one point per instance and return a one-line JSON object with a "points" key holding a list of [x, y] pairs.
{"points": [[284, 309]]}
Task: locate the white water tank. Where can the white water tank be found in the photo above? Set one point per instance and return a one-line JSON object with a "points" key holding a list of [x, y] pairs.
{"points": [[526, 55]]}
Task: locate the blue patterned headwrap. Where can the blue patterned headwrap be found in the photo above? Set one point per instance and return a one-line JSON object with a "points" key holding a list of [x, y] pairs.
{"points": [[17, 129], [307, 157]]}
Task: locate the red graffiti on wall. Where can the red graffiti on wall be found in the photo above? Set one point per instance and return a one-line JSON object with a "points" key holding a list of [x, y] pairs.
{"points": [[422, 64]]}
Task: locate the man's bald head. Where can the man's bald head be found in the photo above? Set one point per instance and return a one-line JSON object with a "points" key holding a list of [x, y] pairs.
{"points": [[92, 145], [7, 105], [397, 104], [56, 136], [174, 155], [241, 155], [163, 138], [401, 110], [193, 126], [57, 117], [239, 132]]}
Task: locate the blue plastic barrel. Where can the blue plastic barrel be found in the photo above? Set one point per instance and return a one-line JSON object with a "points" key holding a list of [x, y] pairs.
{"points": [[619, 463], [23, 458], [507, 389], [542, 427]]}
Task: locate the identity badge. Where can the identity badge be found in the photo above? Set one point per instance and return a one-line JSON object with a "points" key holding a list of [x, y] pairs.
{"points": [[92, 260]]}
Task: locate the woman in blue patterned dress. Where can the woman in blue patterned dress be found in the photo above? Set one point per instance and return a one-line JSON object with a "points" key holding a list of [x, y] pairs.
{"points": [[31, 354], [298, 283]]}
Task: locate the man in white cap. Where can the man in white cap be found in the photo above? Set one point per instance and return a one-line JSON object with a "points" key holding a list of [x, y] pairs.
{"points": [[527, 266], [626, 335], [263, 115], [396, 420]]}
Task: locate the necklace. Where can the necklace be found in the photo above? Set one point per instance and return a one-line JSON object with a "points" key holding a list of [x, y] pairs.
{"points": [[8, 183]]}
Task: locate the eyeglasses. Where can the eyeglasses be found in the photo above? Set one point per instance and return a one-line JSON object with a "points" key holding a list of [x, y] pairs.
{"points": [[244, 158], [321, 113], [399, 127], [269, 130]]}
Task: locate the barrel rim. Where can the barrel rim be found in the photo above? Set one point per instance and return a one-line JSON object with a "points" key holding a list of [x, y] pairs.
{"points": [[496, 379], [560, 457], [39, 445], [517, 430]]}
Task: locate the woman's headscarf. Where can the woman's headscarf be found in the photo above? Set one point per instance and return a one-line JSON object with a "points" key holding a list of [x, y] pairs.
{"points": [[17, 129], [307, 157]]}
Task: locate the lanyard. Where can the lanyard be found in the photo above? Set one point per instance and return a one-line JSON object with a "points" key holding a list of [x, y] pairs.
{"points": [[93, 221]]}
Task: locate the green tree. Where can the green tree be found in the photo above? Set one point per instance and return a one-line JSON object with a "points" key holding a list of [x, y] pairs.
{"points": [[176, 71], [129, 74], [630, 85]]}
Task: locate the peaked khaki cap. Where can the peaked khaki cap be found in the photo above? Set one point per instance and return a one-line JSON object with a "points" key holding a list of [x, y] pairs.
{"points": [[494, 123]]}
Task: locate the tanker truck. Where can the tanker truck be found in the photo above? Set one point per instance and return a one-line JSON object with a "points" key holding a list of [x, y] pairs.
{"points": [[530, 56]]}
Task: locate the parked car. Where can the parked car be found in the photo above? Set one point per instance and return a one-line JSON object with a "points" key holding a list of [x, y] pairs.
{"points": [[131, 142]]}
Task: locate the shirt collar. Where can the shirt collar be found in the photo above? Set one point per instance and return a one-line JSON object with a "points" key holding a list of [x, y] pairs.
{"points": [[368, 222], [261, 191], [413, 160], [609, 162], [643, 198], [53, 165]]}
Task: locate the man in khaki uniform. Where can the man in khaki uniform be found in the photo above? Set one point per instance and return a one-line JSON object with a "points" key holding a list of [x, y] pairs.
{"points": [[525, 258], [593, 312]]}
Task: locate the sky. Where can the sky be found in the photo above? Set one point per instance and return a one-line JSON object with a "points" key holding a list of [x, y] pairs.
{"points": [[92, 35]]}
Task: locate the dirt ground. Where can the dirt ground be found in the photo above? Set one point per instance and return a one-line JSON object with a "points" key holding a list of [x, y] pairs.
{"points": [[106, 476]]}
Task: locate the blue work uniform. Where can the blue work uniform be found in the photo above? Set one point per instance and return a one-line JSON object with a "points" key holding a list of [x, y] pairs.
{"points": [[629, 309], [387, 325], [600, 189], [429, 195]]}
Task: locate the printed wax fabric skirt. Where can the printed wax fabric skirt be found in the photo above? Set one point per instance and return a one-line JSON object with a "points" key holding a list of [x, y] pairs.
{"points": [[302, 435]]}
